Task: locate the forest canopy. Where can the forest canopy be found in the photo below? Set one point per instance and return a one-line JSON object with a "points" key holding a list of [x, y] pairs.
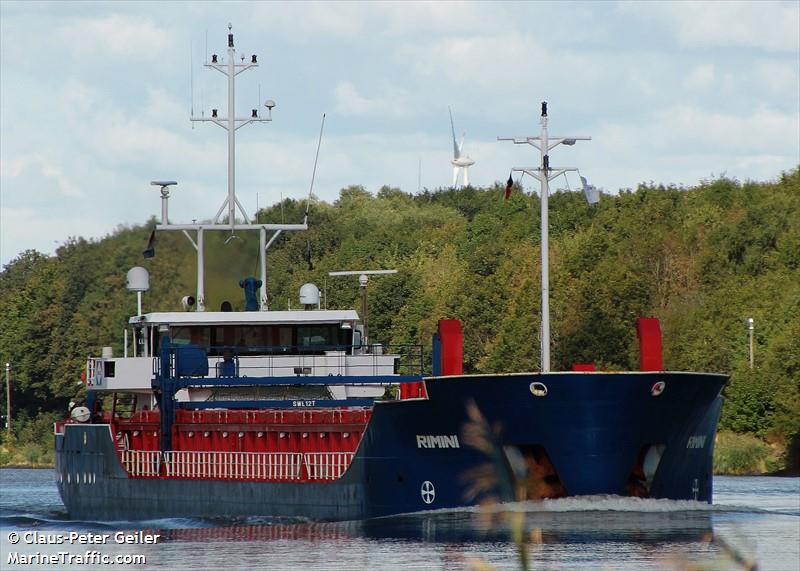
{"points": [[702, 259]]}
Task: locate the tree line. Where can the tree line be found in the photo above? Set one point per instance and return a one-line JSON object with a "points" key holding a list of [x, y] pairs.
{"points": [[702, 259]]}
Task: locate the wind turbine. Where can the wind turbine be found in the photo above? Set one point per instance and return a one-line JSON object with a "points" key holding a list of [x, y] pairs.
{"points": [[461, 163]]}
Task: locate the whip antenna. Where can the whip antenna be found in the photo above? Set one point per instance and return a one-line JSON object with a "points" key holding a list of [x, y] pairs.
{"points": [[191, 81], [314, 172]]}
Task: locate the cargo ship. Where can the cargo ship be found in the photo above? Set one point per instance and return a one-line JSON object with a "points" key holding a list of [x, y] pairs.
{"points": [[299, 413]]}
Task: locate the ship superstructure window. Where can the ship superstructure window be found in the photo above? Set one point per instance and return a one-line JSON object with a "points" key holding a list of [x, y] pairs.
{"points": [[317, 335], [262, 339], [199, 336]]}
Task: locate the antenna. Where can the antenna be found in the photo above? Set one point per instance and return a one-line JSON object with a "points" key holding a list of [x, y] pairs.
{"points": [[544, 174], [363, 280], [314, 172], [191, 81]]}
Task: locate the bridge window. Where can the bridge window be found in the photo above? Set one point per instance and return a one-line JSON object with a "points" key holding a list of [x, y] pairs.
{"points": [[262, 339]]}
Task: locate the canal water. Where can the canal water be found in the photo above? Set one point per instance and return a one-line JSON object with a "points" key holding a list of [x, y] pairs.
{"points": [[753, 519]]}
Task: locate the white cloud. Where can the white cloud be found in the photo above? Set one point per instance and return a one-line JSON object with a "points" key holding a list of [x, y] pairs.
{"points": [[684, 129], [682, 145], [308, 22], [701, 77], [349, 102], [115, 34], [480, 60], [781, 77], [771, 26], [16, 167]]}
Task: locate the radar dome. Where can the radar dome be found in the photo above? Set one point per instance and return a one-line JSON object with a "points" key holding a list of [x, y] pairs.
{"points": [[309, 294], [138, 279]]}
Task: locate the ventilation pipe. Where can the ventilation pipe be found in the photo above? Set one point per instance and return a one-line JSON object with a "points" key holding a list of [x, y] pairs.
{"points": [[450, 358], [651, 357]]}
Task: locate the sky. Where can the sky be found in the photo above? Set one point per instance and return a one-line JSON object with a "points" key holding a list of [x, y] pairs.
{"points": [[95, 100]]}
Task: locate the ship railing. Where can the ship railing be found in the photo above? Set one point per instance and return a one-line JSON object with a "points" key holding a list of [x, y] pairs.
{"points": [[142, 463], [221, 362], [327, 465], [218, 465], [233, 465]]}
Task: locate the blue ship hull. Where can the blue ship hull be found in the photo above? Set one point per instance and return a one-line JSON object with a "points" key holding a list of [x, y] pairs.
{"points": [[413, 457]]}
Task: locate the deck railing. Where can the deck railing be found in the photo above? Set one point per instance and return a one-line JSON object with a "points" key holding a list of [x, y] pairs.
{"points": [[141, 463], [292, 360], [233, 465], [213, 465], [327, 465]]}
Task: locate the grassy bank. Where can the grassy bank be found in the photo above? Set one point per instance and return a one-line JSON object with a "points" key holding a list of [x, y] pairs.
{"points": [[31, 443], [746, 455]]}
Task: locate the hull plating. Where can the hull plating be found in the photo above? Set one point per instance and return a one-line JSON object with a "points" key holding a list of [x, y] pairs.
{"points": [[593, 427]]}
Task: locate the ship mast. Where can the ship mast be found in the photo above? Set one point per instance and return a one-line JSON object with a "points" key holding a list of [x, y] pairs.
{"points": [[544, 174], [231, 124]]}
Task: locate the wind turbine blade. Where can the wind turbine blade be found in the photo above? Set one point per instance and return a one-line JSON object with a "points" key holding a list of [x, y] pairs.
{"points": [[466, 176], [455, 176], [456, 150], [461, 146]]}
